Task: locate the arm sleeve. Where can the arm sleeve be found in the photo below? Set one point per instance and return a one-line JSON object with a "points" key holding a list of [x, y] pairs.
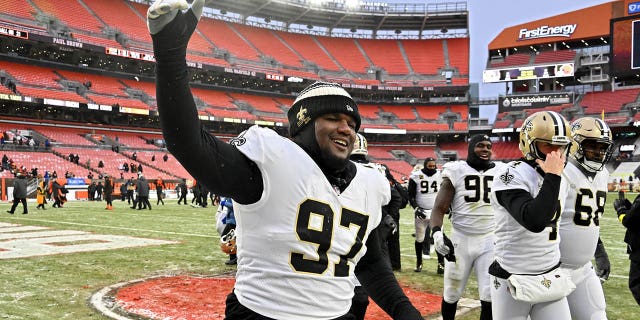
{"points": [[532, 213], [631, 220], [412, 193], [375, 275], [218, 165]]}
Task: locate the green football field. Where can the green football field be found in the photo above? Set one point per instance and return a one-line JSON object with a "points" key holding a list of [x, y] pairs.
{"points": [[174, 239]]}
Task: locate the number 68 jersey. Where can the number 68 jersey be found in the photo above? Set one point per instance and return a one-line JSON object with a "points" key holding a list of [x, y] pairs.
{"points": [[580, 222], [299, 244]]}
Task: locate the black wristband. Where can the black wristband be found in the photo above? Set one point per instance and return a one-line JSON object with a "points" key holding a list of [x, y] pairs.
{"points": [[435, 229]]}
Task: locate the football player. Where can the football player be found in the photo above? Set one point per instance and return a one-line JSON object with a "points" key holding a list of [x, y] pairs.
{"points": [[580, 221], [465, 190], [527, 199], [305, 214], [423, 188]]}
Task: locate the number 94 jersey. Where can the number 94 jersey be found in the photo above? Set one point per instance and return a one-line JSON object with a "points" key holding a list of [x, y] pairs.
{"points": [[580, 221], [427, 188], [471, 210]]}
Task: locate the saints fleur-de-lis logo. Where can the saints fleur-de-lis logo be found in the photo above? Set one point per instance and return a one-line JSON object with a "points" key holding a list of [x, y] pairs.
{"points": [[496, 283], [302, 116], [349, 108], [546, 282], [529, 125], [239, 140], [576, 126], [507, 177]]}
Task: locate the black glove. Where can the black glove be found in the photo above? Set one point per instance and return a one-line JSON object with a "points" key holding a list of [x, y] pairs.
{"points": [[620, 204], [390, 223], [420, 213], [603, 266]]}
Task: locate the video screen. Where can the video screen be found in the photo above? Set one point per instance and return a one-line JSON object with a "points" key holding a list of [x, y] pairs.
{"points": [[625, 47]]}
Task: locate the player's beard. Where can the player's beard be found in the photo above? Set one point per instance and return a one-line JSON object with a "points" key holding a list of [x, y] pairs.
{"points": [[328, 162]]}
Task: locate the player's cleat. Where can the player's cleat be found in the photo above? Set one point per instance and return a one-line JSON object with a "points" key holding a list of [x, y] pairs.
{"points": [[418, 268], [231, 262], [440, 268]]}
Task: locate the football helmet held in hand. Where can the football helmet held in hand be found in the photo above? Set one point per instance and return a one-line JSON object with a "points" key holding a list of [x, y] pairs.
{"points": [[228, 242]]}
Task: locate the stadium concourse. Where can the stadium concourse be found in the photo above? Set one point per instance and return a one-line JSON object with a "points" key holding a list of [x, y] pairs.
{"points": [[77, 78]]}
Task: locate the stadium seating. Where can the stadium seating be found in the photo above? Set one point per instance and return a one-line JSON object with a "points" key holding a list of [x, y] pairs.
{"points": [[346, 52], [609, 101], [401, 112], [458, 51], [31, 75], [72, 13], [369, 111], [425, 56], [430, 112], [505, 150], [43, 161], [18, 8], [260, 103], [309, 49], [269, 44], [385, 54], [99, 83], [224, 36], [417, 127], [555, 56], [50, 94], [513, 60]]}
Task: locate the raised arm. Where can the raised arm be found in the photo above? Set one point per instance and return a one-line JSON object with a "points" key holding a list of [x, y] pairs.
{"points": [[216, 164]]}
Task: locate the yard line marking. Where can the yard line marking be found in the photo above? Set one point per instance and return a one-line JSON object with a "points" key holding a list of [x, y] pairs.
{"points": [[123, 228]]}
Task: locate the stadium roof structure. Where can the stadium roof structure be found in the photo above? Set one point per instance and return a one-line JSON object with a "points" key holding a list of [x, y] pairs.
{"points": [[354, 15]]}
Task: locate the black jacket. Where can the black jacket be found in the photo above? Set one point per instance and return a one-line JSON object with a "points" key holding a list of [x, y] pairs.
{"points": [[631, 221]]}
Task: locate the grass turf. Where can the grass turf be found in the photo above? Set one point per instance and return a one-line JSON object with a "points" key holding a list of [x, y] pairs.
{"points": [[58, 286]]}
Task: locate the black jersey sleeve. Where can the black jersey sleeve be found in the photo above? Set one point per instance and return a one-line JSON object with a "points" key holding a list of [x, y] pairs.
{"points": [[533, 213], [375, 274], [221, 167]]}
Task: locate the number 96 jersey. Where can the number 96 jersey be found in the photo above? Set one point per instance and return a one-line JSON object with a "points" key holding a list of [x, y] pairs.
{"points": [[299, 244], [471, 210], [580, 222]]}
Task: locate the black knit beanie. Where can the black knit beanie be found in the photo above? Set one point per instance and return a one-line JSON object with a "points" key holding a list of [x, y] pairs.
{"points": [[472, 158], [317, 99]]}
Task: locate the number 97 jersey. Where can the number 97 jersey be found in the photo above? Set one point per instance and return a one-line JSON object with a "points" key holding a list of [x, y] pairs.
{"points": [[580, 221]]}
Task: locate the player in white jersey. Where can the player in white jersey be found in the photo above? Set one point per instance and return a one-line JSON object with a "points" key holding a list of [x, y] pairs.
{"points": [[305, 214], [580, 221], [528, 198], [423, 188], [465, 190]]}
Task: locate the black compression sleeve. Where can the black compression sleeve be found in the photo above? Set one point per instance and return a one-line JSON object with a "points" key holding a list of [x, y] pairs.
{"points": [[219, 166], [533, 213], [375, 275], [412, 193]]}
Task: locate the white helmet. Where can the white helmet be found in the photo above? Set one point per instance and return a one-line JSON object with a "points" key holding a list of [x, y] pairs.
{"points": [[593, 143], [360, 146]]}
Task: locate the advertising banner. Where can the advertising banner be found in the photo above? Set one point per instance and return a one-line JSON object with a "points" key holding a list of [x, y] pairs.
{"points": [[528, 73], [532, 101]]}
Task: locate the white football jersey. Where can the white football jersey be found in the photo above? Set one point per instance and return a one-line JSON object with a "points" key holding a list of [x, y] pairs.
{"points": [[427, 188], [298, 245], [517, 249], [580, 222], [471, 210]]}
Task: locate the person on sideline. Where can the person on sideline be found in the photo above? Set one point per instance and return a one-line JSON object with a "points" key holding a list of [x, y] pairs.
{"points": [[305, 214], [19, 193]]}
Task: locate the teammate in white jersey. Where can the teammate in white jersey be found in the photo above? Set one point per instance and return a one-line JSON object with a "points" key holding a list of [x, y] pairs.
{"points": [[305, 214], [423, 188], [580, 221], [528, 198], [465, 190]]}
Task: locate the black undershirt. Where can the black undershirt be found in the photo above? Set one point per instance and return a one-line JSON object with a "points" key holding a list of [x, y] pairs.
{"points": [[533, 213]]}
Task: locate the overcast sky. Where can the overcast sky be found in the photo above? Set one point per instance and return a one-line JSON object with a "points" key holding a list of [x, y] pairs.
{"points": [[487, 18]]}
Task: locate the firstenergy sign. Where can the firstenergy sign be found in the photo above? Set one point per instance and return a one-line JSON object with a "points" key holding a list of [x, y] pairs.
{"points": [[547, 31]]}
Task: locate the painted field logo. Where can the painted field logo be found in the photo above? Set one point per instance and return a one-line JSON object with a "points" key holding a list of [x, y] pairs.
{"points": [[17, 241]]}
